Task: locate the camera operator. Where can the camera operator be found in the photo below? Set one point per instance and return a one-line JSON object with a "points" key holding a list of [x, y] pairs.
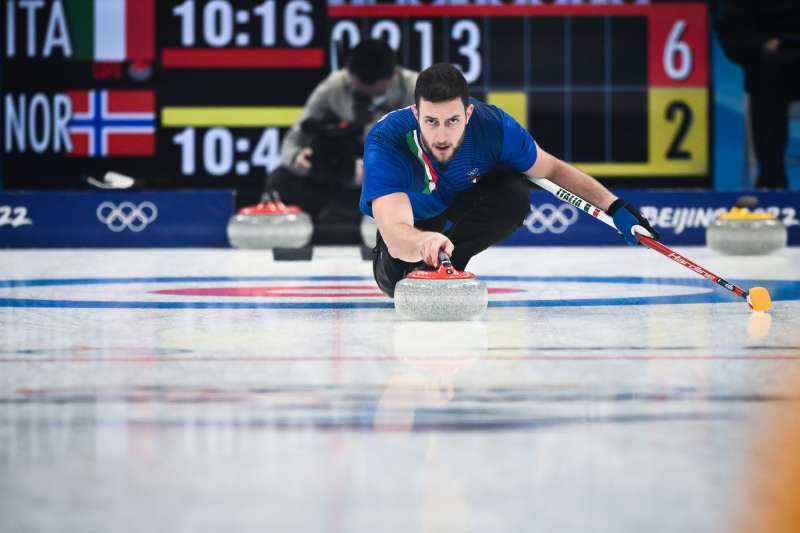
{"points": [[321, 166]]}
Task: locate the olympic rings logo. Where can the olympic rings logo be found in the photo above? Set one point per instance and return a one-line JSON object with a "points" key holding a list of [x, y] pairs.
{"points": [[547, 217], [126, 215]]}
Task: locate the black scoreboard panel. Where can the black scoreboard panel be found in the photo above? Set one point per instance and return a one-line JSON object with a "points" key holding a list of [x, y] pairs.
{"points": [[598, 88], [199, 93]]}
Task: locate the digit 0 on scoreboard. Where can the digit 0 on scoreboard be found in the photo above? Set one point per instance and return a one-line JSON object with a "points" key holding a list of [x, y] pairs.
{"points": [[619, 90]]}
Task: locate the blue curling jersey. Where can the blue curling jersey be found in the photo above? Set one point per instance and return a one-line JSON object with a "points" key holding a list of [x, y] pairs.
{"points": [[492, 138]]}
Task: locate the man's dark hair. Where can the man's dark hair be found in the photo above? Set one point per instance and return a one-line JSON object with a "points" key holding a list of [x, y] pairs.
{"points": [[441, 82], [372, 60]]}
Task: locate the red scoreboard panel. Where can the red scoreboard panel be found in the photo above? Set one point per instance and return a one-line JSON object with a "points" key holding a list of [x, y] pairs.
{"points": [[621, 91]]}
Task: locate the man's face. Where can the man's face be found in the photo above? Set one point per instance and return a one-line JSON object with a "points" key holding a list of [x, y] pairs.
{"points": [[442, 125]]}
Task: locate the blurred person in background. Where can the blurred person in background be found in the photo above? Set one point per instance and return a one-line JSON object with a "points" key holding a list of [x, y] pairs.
{"points": [[321, 167], [763, 36]]}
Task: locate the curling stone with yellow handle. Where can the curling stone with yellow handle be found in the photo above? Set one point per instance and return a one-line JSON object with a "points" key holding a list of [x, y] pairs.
{"points": [[742, 232]]}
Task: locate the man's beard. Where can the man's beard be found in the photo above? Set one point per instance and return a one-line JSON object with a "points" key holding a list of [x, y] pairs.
{"points": [[433, 151]]}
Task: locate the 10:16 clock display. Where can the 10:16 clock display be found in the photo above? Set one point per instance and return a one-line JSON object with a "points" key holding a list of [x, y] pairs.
{"points": [[220, 23]]}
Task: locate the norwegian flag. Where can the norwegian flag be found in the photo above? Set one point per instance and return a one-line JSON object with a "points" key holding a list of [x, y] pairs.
{"points": [[112, 123]]}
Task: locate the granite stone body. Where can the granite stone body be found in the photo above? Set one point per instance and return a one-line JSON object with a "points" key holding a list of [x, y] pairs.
{"points": [[291, 230], [746, 237], [440, 299], [368, 230]]}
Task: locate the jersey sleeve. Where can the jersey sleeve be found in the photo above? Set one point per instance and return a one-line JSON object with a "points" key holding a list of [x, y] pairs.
{"points": [[386, 171], [518, 150]]}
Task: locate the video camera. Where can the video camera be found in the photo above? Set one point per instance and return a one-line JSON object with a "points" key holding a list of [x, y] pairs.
{"points": [[336, 145]]}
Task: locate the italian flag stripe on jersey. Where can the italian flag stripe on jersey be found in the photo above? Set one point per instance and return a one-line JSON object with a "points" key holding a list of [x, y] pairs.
{"points": [[430, 174]]}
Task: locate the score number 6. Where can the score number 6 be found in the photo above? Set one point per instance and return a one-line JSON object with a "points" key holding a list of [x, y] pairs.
{"points": [[677, 55]]}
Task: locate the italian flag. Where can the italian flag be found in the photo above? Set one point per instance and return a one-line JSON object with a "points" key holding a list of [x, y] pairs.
{"points": [[112, 30], [430, 174]]}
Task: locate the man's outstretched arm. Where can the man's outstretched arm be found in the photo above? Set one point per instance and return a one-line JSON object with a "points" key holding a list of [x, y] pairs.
{"points": [[626, 216], [395, 220], [574, 180]]}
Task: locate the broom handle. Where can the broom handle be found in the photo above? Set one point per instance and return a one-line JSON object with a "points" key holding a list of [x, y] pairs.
{"points": [[570, 198]]}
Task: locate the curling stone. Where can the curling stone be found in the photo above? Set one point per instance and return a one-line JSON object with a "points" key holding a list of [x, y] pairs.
{"points": [[741, 232], [442, 294], [272, 225], [369, 231]]}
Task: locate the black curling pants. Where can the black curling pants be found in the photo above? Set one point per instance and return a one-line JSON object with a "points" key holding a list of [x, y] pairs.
{"points": [[481, 216]]}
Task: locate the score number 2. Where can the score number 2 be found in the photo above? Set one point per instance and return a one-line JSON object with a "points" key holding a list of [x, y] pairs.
{"points": [[675, 150]]}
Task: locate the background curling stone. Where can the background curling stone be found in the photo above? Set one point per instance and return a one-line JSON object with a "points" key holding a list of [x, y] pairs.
{"points": [[443, 294], [740, 232], [369, 230], [272, 225]]}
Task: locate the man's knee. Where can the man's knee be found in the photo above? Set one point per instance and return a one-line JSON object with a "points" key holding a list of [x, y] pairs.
{"points": [[515, 201], [386, 270]]}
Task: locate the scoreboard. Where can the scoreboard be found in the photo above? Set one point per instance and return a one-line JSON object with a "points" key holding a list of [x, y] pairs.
{"points": [[199, 93], [619, 90]]}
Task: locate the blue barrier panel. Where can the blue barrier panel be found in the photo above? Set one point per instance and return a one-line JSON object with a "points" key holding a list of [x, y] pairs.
{"points": [[199, 218], [680, 216], [115, 219]]}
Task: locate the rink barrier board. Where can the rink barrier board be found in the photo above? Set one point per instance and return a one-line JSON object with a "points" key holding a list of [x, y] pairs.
{"points": [[115, 219], [199, 218]]}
